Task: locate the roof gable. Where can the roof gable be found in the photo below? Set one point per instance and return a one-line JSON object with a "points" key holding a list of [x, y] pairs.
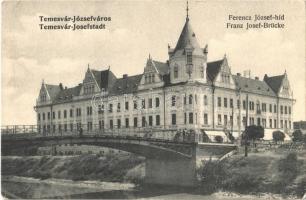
{"points": [[213, 69]]}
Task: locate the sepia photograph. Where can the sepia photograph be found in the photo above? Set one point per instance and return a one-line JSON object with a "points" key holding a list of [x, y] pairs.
{"points": [[142, 99]]}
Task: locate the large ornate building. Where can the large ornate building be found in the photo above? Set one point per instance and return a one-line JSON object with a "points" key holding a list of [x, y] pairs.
{"points": [[186, 91]]}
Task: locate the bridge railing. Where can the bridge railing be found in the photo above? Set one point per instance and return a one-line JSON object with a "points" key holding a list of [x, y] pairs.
{"points": [[95, 129], [170, 133]]}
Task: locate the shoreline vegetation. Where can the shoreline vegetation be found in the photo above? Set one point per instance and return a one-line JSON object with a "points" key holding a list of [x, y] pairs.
{"points": [[258, 174]]}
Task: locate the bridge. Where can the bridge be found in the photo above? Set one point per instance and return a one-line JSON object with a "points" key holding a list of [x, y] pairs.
{"points": [[170, 153]]}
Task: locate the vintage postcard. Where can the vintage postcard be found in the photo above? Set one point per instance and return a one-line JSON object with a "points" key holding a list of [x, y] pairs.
{"points": [[196, 99]]}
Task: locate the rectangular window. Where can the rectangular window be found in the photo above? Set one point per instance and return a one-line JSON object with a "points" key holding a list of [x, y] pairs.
{"points": [[156, 102], [270, 123], [219, 120], [225, 102], [275, 109], [225, 120], [173, 101], [127, 123], [264, 109], [143, 103], [118, 107], [135, 104], [219, 101], [38, 116], [126, 105], [231, 103], [48, 115], [275, 123], [238, 104], [173, 119], [244, 105], [282, 123], [53, 115], [89, 126], [143, 121], [111, 124], [264, 123], [135, 122], [205, 100], [205, 118], [60, 127], [270, 108], [65, 127], [118, 123], [285, 110], [185, 118], [65, 114], [157, 120], [281, 109], [150, 121], [190, 118], [110, 108], [71, 127], [150, 103], [286, 124], [59, 114], [71, 113], [44, 116], [189, 58], [289, 109]]}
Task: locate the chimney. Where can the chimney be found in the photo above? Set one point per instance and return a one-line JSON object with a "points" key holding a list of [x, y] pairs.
{"points": [[256, 78], [238, 74], [125, 76]]}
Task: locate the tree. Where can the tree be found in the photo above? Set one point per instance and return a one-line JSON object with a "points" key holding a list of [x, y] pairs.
{"points": [[297, 136], [219, 138], [278, 136], [252, 132]]}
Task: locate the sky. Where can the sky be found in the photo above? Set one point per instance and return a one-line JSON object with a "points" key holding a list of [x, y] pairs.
{"points": [[137, 29]]}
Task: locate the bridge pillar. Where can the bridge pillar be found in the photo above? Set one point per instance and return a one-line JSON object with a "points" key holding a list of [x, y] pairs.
{"points": [[171, 172]]}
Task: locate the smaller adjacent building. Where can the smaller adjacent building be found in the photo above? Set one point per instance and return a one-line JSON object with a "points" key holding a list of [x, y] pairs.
{"points": [[300, 125]]}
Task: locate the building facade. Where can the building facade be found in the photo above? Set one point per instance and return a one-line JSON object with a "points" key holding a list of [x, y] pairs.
{"points": [[185, 92]]}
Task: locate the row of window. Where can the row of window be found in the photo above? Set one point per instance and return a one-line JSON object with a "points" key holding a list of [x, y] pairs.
{"points": [[259, 107]]}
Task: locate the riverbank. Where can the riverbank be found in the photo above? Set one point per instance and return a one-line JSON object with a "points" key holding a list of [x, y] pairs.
{"points": [[279, 173], [110, 168]]}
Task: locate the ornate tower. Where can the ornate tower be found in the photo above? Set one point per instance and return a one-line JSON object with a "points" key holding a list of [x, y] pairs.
{"points": [[187, 60]]}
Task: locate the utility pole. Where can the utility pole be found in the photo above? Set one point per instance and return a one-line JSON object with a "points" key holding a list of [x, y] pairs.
{"points": [[246, 125]]}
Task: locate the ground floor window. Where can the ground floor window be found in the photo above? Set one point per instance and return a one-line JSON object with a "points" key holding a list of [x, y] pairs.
{"points": [[150, 121], [157, 120], [135, 122], [127, 123]]}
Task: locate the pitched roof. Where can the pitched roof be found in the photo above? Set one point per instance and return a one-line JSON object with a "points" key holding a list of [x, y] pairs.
{"points": [[253, 86], [213, 69], [53, 90], [187, 39], [104, 78], [67, 94], [125, 85], [163, 68], [275, 82]]}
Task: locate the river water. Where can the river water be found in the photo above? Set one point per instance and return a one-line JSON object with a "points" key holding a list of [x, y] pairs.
{"points": [[30, 188]]}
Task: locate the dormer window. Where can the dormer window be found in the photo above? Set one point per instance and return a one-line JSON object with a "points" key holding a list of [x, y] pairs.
{"points": [[189, 58], [149, 78]]}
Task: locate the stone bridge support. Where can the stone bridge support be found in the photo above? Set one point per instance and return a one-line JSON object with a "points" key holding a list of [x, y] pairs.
{"points": [[180, 172]]}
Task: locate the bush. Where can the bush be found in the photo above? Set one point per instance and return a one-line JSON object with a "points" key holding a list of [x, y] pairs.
{"points": [[254, 132], [278, 136], [218, 138], [297, 136]]}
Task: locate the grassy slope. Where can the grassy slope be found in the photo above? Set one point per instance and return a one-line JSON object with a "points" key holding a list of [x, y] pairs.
{"points": [[259, 172], [85, 167]]}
